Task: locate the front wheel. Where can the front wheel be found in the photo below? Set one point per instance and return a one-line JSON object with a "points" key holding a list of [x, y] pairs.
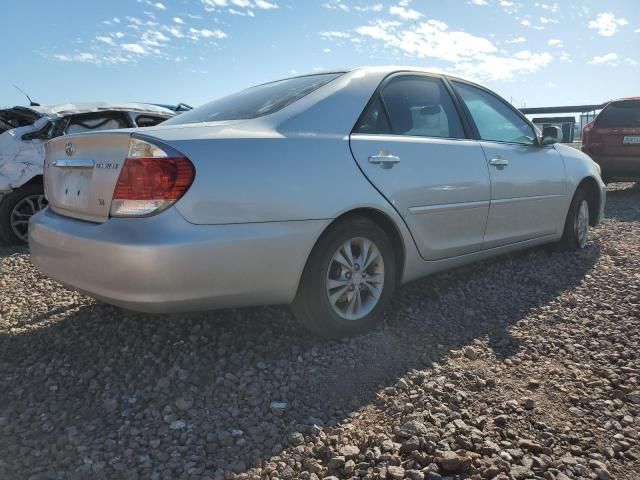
{"points": [[349, 280], [16, 209], [576, 227]]}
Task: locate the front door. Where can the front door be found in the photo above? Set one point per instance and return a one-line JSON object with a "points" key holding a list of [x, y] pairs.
{"points": [[528, 181], [411, 145]]}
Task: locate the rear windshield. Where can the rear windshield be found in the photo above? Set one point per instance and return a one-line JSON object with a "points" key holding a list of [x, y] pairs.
{"points": [[620, 114], [255, 101]]}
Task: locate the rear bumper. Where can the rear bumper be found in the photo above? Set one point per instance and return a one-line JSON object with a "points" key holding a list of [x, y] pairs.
{"points": [[164, 264], [617, 167]]}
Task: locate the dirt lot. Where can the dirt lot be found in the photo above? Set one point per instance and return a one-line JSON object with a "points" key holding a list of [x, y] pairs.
{"points": [[523, 367]]}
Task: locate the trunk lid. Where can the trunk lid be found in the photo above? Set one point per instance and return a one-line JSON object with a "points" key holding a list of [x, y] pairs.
{"points": [[81, 172], [617, 142]]}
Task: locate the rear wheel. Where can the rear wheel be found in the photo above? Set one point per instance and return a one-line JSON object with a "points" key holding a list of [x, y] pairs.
{"points": [[576, 227], [349, 280], [16, 209]]}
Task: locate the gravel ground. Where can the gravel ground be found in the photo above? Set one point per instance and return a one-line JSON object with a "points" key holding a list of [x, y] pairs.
{"points": [[527, 366]]}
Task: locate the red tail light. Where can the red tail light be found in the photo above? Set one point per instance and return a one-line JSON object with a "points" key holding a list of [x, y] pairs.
{"points": [[151, 180], [154, 179], [591, 140]]}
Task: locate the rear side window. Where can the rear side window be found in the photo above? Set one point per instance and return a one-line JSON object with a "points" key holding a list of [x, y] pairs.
{"points": [[374, 119], [149, 120], [625, 113], [93, 123], [421, 106], [495, 120], [256, 101]]}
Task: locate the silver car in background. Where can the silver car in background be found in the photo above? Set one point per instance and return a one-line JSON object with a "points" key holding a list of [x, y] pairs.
{"points": [[323, 191]]}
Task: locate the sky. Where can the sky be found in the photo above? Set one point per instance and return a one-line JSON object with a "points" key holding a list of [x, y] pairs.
{"points": [[532, 53]]}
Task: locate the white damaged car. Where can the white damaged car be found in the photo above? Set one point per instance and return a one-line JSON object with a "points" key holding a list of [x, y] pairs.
{"points": [[23, 133]]}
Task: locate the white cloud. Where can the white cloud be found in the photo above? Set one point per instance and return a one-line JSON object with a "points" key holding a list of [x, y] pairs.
{"points": [[206, 33], [609, 59], [607, 24], [525, 23], [553, 8], [470, 55], [555, 42], [178, 20], [479, 2], [377, 7], [336, 5], [327, 50], [517, 40], [158, 5], [335, 35], [213, 5], [264, 5], [547, 20], [404, 13], [134, 48], [107, 40], [631, 61]]}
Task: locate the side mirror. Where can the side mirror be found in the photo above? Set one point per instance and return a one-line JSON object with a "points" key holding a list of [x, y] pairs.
{"points": [[551, 135]]}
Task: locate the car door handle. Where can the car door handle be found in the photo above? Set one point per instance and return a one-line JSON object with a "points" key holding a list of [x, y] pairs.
{"points": [[499, 162], [384, 159]]}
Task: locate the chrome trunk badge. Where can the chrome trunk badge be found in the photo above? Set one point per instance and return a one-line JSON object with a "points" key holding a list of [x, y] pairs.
{"points": [[69, 149]]}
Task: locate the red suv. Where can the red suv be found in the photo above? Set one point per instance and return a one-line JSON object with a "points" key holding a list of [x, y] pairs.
{"points": [[612, 140]]}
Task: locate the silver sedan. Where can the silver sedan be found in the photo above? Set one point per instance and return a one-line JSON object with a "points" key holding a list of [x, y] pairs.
{"points": [[322, 191]]}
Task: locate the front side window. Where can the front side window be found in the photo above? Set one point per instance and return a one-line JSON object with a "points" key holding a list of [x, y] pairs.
{"points": [[421, 106], [256, 101], [625, 113], [495, 120]]}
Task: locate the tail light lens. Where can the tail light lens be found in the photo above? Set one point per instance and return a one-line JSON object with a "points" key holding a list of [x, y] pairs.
{"points": [[585, 132], [151, 180], [591, 140]]}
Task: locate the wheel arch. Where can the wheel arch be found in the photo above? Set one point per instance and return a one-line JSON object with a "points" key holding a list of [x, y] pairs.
{"points": [[385, 222], [592, 190]]}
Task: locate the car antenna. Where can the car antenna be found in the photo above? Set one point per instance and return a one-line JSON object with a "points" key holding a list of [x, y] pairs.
{"points": [[31, 102]]}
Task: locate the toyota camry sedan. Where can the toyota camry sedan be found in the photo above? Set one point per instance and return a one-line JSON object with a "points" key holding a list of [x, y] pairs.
{"points": [[323, 191]]}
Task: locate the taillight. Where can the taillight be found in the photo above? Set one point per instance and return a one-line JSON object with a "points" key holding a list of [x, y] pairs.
{"points": [[151, 180], [585, 132], [591, 140]]}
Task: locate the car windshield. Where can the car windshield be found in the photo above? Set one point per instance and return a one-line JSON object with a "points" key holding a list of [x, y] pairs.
{"points": [[255, 101], [620, 114]]}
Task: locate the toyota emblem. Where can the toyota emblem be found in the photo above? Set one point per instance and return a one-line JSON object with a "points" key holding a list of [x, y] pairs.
{"points": [[69, 148]]}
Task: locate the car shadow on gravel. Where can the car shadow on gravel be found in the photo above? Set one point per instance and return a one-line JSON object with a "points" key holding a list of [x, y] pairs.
{"points": [[103, 391]]}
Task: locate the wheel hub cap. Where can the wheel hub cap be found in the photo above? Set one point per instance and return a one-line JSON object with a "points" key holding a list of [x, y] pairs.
{"points": [[355, 278]]}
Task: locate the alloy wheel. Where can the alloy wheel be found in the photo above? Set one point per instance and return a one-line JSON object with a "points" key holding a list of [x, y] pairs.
{"points": [[582, 223], [22, 213], [355, 278]]}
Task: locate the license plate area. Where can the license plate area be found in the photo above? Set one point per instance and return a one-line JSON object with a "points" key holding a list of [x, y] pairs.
{"points": [[631, 140], [74, 186]]}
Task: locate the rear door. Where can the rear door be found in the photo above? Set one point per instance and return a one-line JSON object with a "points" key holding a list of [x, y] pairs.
{"points": [[411, 144], [528, 182]]}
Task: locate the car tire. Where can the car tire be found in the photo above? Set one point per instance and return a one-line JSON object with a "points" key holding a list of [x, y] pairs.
{"points": [[576, 226], [17, 205], [357, 285]]}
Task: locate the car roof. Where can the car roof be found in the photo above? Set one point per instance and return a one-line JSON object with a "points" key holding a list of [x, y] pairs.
{"points": [[64, 109], [381, 70]]}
